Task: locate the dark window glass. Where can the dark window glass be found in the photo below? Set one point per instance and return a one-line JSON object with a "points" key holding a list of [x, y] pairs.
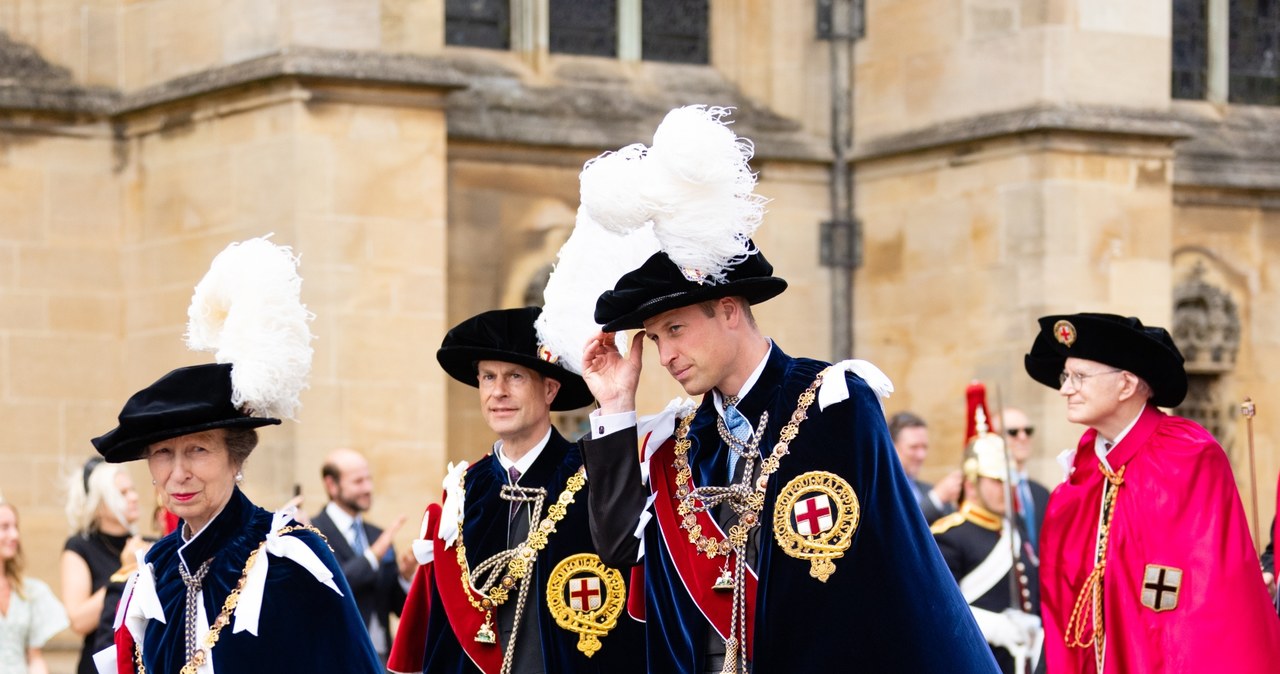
{"points": [[584, 27], [1253, 47], [1190, 48], [478, 23], [674, 30]]}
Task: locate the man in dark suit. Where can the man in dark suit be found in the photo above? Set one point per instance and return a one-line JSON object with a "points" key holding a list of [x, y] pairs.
{"points": [[911, 441], [364, 551], [1032, 495]]}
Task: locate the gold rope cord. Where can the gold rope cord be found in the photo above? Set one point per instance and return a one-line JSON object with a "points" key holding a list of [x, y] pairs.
{"points": [[1092, 588]]}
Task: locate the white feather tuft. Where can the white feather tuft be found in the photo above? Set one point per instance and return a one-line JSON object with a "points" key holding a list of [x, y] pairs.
{"points": [[694, 185], [609, 190], [591, 262], [700, 173], [247, 310]]}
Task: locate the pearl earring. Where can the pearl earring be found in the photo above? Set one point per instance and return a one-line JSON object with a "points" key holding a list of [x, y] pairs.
{"points": [[239, 476], [153, 482]]}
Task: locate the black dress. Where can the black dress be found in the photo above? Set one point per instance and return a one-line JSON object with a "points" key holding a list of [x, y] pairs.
{"points": [[102, 553]]}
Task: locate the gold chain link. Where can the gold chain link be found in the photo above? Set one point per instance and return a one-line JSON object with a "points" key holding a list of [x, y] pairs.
{"points": [[737, 538], [228, 606], [525, 552]]}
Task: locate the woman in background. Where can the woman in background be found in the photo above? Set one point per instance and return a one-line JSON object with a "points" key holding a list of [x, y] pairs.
{"points": [[102, 506], [29, 613]]}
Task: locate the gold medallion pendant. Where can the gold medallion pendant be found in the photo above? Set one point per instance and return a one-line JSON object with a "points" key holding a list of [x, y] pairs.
{"points": [[586, 597], [814, 519]]}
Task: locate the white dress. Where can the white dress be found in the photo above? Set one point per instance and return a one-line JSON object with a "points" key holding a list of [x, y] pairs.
{"points": [[31, 621]]}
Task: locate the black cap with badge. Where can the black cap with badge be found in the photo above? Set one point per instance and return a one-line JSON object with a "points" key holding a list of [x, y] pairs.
{"points": [[1125, 343]]}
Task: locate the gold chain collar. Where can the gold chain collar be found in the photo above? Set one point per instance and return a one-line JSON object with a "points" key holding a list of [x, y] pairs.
{"points": [[524, 555], [228, 607], [750, 518]]}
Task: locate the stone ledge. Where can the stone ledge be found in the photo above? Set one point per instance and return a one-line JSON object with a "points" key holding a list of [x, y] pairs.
{"points": [[302, 63], [602, 103], [1088, 120], [580, 103], [1233, 147]]}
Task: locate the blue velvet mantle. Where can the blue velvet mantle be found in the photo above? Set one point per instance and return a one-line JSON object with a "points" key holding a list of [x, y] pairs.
{"points": [[304, 625], [484, 531], [890, 606]]}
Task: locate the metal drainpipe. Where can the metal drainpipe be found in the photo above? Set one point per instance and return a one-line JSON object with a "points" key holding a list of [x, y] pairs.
{"points": [[840, 23]]}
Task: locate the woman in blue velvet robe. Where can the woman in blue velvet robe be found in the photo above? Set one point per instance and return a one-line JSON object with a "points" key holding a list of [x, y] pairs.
{"points": [[294, 610]]}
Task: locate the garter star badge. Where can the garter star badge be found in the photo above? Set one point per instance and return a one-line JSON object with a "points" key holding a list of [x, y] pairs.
{"points": [[586, 597], [814, 519], [1065, 333], [1160, 587]]}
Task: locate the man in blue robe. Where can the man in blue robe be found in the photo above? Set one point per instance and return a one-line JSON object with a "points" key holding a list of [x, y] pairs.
{"points": [[783, 534], [523, 505]]}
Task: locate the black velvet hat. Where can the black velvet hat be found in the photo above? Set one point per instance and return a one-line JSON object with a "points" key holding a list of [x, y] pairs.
{"points": [[187, 400], [1125, 343], [508, 335], [659, 285]]}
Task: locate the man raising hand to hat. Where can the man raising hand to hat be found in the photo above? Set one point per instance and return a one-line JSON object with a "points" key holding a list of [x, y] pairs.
{"points": [[778, 530], [1146, 559]]}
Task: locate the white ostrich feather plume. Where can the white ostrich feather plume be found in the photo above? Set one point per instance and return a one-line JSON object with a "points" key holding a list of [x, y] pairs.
{"points": [[694, 185], [247, 310], [590, 262]]}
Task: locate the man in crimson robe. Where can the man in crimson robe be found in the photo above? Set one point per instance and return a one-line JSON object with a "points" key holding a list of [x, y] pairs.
{"points": [[1146, 560]]}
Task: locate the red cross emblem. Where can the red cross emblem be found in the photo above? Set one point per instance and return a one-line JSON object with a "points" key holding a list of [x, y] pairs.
{"points": [[813, 515], [1065, 333], [584, 593]]}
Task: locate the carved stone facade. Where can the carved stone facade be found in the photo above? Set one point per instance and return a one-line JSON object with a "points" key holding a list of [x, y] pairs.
{"points": [[998, 176]]}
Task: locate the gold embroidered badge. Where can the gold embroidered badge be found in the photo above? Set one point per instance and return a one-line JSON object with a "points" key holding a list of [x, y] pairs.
{"points": [[1065, 333], [1160, 587], [586, 597], [814, 519]]}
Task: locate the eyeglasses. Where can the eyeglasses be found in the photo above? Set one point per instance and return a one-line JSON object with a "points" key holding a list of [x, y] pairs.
{"points": [[1013, 432], [1077, 379]]}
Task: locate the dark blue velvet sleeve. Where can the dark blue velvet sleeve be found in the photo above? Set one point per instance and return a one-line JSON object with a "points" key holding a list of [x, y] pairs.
{"points": [[892, 605], [304, 626]]}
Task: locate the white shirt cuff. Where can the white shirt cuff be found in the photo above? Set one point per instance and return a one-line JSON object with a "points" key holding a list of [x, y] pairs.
{"points": [[604, 424], [373, 561]]}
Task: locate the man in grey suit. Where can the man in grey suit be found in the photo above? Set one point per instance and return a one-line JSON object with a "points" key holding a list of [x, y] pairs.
{"points": [[911, 440], [364, 551]]}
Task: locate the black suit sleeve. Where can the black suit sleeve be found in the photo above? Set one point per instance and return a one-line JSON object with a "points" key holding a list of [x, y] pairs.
{"points": [[931, 512], [391, 595], [616, 496], [361, 576], [1269, 554]]}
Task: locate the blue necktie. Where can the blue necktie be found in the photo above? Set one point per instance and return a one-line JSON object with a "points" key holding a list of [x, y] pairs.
{"points": [[359, 542], [738, 427], [1028, 509]]}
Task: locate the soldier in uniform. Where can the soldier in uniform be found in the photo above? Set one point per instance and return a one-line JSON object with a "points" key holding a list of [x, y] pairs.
{"points": [[510, 581], [977, 543]]}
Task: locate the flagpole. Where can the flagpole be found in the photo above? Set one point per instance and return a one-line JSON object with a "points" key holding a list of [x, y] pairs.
{"points": [[1248, 409]]}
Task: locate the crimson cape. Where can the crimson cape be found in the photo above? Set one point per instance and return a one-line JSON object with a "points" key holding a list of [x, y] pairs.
{"points": [[1178, 508]]}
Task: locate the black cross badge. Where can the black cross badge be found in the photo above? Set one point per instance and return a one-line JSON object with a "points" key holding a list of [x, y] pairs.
{"points": [[1160, 586]]}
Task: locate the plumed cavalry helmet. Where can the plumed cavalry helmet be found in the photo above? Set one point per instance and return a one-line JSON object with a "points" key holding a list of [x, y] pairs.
{"points": [[247, 311], [984, 453]]}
